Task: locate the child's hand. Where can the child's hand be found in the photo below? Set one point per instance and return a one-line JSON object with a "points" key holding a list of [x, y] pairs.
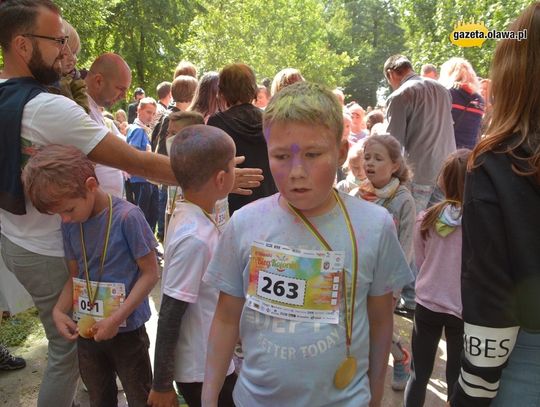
{"points": [[105, 329], [162, 399], [65, 325]]}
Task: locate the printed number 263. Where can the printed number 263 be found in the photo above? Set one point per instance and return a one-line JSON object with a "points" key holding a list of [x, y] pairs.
{"points": [[281, 288]]}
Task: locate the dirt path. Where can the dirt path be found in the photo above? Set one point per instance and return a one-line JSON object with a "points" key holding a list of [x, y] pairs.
{"points": [[20, 388]]}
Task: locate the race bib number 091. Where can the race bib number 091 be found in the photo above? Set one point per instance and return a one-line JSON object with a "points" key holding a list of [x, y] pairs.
{"points": [[86, 308], [281, 289], [110, 296]]}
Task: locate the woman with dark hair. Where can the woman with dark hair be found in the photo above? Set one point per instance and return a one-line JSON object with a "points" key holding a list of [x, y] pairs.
{"points": [[243, 122], [205, 101], [501, 235]]}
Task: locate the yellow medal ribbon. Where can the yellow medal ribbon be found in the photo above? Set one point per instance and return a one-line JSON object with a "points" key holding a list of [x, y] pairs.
{"points": [[210, 217], [346, 371], [92, 296]]}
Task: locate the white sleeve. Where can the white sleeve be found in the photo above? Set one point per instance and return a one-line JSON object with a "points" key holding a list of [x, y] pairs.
{"points": [[183, 270], [225, 271], [55, 119]]}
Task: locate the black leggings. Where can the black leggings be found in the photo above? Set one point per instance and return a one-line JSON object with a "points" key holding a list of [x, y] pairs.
{"points": [[192, 392], [428, 326]]}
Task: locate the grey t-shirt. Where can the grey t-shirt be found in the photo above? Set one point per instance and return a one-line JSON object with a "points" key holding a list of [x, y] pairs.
{"points": [[289, 363]]}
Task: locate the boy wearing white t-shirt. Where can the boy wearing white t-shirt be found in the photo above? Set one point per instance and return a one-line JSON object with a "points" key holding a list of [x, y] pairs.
{"points": [[202, 158], [306, 275]]}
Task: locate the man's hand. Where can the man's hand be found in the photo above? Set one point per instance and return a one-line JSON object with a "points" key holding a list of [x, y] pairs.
{"points": [[246, 178], [105, 329], [162, 399], [65, 325]]}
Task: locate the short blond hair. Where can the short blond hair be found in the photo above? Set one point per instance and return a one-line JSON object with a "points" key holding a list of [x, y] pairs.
{"points": [[74, 41], [145, 102], [306, 103], [284, 78], [458, 70]]}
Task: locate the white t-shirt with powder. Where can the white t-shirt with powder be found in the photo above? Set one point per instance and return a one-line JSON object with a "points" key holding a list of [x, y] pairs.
{"points": [[189, 245], [110, 179]]}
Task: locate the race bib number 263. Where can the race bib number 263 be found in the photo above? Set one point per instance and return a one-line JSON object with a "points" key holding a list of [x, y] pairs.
{"points": [[301, 285]]}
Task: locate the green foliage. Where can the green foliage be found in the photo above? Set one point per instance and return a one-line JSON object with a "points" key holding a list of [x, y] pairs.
{"points": [[154, 35], [268, 36], [373, 36], [147, 33], [428, 24], [88, 18], [337, 42]]}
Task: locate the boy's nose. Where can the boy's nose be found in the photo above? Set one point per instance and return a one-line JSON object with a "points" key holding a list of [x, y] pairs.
{"points": [[298, 170]]}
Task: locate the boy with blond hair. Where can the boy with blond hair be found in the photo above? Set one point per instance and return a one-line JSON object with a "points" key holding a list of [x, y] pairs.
{"points": [[307, 274], [146, 194], [110, 252], [202, 158]]}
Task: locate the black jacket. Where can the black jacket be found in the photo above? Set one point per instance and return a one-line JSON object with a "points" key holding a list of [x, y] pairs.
{"points": [[14, 95], [244, 124], [500, 277]]}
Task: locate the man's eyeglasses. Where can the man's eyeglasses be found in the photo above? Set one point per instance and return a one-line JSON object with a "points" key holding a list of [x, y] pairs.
{"points": [[62, 41]]}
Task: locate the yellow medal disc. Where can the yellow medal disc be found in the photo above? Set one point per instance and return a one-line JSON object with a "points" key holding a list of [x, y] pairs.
{"points": [[85, 325], [345, 373]]}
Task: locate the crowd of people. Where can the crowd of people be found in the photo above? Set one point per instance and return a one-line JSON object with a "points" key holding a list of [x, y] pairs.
{"points": [[294, 224]]}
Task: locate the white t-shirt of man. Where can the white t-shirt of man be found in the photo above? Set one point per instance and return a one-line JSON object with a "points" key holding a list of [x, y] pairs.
{"points": [[190, 242], [110, 179], [292, 363], [48, 119]]}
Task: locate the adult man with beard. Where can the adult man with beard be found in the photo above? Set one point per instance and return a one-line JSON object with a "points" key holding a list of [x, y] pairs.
{"points": [[32, 41]]}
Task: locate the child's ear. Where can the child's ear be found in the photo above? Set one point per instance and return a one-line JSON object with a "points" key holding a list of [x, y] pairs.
{"points": [[219, 179], [91, 184], [343, 151], [395, 167]]}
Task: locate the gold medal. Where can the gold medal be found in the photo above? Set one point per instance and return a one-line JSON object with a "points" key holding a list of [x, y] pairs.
{"points": [[86, 322], [347, 369], [85, 325], [345, 372]]}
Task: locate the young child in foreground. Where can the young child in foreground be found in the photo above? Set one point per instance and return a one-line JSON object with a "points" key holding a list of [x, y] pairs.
{"points": [[110, 252], [306, 341], [202, 158], [437, 243], [387, 172]]}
